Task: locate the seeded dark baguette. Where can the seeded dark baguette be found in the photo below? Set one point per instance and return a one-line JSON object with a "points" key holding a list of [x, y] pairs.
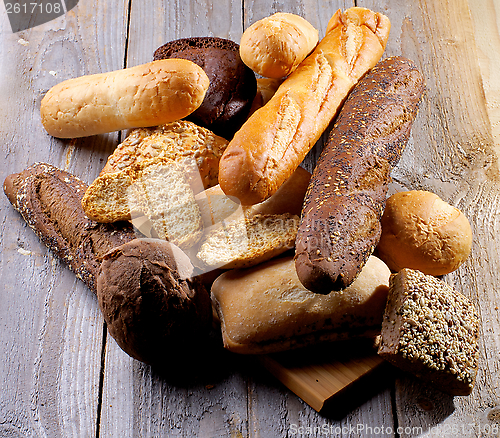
{"points": [[340, 223], [49, 200]]}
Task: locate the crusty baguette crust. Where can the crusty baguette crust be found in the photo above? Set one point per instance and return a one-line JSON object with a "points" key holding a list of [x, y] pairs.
{"points": [[49, 201], [276, 138], [340, 223], [146, 95]]}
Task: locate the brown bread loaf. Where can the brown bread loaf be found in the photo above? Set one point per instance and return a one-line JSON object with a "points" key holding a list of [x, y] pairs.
{"points": [[232, 84], [340, 223], [49, 200], [272, 143], [432, 331]]}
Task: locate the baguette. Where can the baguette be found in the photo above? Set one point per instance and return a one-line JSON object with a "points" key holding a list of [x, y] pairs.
{"points": [[146, 95], [49, 200], [340, 223], [266, 309], [276, 138]]}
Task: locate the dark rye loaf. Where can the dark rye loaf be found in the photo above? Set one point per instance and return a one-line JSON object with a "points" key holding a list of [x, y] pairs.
{"points": [[49, 200], [233, 85], [340, 223]]}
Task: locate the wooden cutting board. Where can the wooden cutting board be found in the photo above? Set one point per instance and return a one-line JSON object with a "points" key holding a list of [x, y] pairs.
{"points": [[334, 377]]}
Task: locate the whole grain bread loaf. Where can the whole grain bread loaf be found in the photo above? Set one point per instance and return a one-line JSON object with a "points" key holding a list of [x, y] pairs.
{"points": [[432, 331], [179, 140], [157, 188]]}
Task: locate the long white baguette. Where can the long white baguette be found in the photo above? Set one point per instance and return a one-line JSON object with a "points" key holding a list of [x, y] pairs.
{"points": [[275, 139], [151, 94]]}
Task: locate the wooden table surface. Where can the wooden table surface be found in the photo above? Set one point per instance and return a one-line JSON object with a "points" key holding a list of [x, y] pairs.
{"points": [[61, 375]]}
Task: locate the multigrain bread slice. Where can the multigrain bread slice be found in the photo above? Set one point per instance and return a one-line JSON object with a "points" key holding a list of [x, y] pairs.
{"points": [[431, 331], [157, 188], [248, 241], [178, 141]]}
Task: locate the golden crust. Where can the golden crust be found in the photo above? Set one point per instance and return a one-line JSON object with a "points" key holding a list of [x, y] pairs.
{"points": [[146, 95], [178, 141], [276, 138], [274, 46], [421, 231]]}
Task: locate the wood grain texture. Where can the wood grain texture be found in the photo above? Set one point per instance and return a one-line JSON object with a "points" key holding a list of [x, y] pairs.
{"points": [[51, 326], [52, 333]]}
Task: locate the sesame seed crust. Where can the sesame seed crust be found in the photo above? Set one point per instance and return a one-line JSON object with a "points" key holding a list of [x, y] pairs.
{"points": [[349, 184], [49, 200], [432, 331]]}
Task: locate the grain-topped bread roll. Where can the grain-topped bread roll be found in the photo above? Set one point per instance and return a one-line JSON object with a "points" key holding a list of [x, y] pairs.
{"points": [[179, 140], [275, 139], [421, 231], [266, 309], [274, 46], [431, 331], [146, 95]]}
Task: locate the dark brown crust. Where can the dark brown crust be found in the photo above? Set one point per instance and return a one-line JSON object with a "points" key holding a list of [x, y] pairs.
{"points": [[340, 224], [233, 85], [151, 311], [49, 200]]}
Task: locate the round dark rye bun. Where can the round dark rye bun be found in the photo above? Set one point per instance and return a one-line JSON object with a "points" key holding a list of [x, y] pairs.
{"points": [[153, 308], [233, 85], [340, 223]]}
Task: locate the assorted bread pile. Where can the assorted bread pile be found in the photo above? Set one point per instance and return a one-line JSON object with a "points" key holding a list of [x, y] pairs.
{"points": [[209, 182]]}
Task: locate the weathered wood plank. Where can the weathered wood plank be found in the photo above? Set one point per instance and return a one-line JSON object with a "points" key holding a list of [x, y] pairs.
{"points": [[51, 337], [485, 15]]}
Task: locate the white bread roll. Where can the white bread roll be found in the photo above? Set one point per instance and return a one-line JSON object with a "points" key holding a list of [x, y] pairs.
{"points": [[274, 46], [151, 94], [266, 309], [421, 231]]}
